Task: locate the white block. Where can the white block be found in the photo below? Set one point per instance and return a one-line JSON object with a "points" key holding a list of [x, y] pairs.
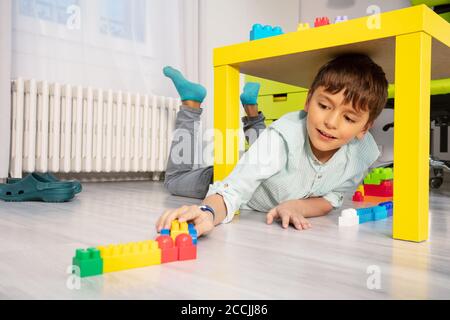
{"points": [[348, 221], [347, 213]]}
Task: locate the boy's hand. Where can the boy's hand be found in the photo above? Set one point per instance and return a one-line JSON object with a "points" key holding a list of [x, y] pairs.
{"points": [[290, 213], [203, 220]]}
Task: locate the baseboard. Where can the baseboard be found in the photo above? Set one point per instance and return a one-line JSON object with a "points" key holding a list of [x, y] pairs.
{"points": [[113, 176]]}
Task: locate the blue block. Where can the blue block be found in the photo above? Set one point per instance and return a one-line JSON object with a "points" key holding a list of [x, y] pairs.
{"points": [[379, 213], [259, 31], [365, 217], [165, 232], [389, 207], [364, 214], [193, 233]]}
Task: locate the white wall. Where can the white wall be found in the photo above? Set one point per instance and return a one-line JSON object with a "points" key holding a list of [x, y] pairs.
{"points": [[228, 22], [309, 10], [5, 96]]}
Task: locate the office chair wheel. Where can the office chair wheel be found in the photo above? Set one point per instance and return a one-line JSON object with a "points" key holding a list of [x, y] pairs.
{"points": [[436, 182]]}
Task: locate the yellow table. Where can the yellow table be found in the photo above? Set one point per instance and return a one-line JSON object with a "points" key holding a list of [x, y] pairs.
{"points": [[411, 44]]}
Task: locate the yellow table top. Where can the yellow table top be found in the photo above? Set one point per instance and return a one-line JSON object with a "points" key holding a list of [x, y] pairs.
{"points": [[275, 58]]}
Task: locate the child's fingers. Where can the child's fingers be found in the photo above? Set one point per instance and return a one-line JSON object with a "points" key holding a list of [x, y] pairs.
{"points": [[297, 224], [285, 218], [173, 215], [305, 223], [191, 214], [202, 227], [161, 220], [271, 215]]}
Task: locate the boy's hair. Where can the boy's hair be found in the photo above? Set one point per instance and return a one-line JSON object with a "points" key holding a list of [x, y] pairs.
{"points": [[364, 82]]}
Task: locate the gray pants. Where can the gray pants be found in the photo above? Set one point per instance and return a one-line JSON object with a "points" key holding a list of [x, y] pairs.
{"points": [[181, 179]]}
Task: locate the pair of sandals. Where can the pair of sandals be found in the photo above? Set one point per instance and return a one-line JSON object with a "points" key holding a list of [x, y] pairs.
{"points": [[39, 187]]}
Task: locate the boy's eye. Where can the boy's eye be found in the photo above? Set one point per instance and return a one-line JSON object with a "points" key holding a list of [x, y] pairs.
{"points": [[322, 106], [349, 119]]}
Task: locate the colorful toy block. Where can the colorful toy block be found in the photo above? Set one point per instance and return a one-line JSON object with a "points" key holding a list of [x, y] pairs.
{"points": [[379, 213], [178, 228], [361, 189], [186, 250], [193, 233], [132, 255], [321, 21], [351, 217], [259, 31], [169, 252], [384, 189], [178, 243], [389, 207], [88, 261], [303, 26], [371, 214], [341, 19], [348, 218], [378, 175], [358, 197]]}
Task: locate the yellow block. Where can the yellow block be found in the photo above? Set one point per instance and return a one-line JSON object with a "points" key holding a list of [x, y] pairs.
{"points": [[131, 255], [303, 26], [361, 189], [178, 228]]}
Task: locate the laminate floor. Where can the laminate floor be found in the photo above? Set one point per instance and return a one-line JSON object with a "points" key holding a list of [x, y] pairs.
{"points": [[245, 259]]}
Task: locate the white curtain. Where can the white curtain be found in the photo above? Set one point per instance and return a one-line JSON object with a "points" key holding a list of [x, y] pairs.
{"points": [[110, 44]]}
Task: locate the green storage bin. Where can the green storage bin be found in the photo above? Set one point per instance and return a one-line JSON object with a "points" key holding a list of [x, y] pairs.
{"points": [[276, 99]]}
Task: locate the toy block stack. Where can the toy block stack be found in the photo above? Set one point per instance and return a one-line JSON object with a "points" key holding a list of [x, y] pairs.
{"points": [[321, 21], [351, 217], [177, 244], [378, 183], [259, 31]]}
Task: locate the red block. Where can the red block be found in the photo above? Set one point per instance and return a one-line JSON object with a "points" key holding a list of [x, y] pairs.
{"points": [[358, 197], [169, 252], [321, 21], [384, 189], [186, 250]]}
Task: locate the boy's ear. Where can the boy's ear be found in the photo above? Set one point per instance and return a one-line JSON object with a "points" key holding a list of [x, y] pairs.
{"points": [[366, 128], [308, 100]]}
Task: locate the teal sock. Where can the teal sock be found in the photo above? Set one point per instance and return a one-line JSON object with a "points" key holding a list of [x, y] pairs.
{"points": [[186, 89], [250, 94]]}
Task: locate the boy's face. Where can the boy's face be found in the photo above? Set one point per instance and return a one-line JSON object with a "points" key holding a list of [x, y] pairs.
{"points": [[332, 124]]}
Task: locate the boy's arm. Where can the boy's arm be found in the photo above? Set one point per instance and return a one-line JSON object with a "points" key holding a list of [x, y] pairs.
{"points": [[218, 204], [314, 207], [265, 157]]}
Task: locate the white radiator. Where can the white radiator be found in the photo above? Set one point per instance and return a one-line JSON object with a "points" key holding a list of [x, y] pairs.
{"points": [[71, 129]]}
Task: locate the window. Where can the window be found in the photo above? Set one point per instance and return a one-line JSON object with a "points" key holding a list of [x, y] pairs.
{"points": [[49, 10], [123, 19]]}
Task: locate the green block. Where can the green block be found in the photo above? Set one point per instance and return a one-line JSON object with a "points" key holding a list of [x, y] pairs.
{"points": [[379, 174], [89, 262]]}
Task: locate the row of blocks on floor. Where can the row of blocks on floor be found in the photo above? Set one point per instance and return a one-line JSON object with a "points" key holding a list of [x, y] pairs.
{"points": [[177, 244], [378, 183], [351, 217]]}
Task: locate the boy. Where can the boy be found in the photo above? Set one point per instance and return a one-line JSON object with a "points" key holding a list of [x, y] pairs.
{"points": [[310, 158]]}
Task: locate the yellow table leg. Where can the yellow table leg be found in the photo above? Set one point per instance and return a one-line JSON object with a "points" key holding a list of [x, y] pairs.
{"points": [[226, 120], [412, 136]]}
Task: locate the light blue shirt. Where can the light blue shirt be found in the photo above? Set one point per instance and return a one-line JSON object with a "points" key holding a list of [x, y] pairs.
{"points": [[280, 166]]}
